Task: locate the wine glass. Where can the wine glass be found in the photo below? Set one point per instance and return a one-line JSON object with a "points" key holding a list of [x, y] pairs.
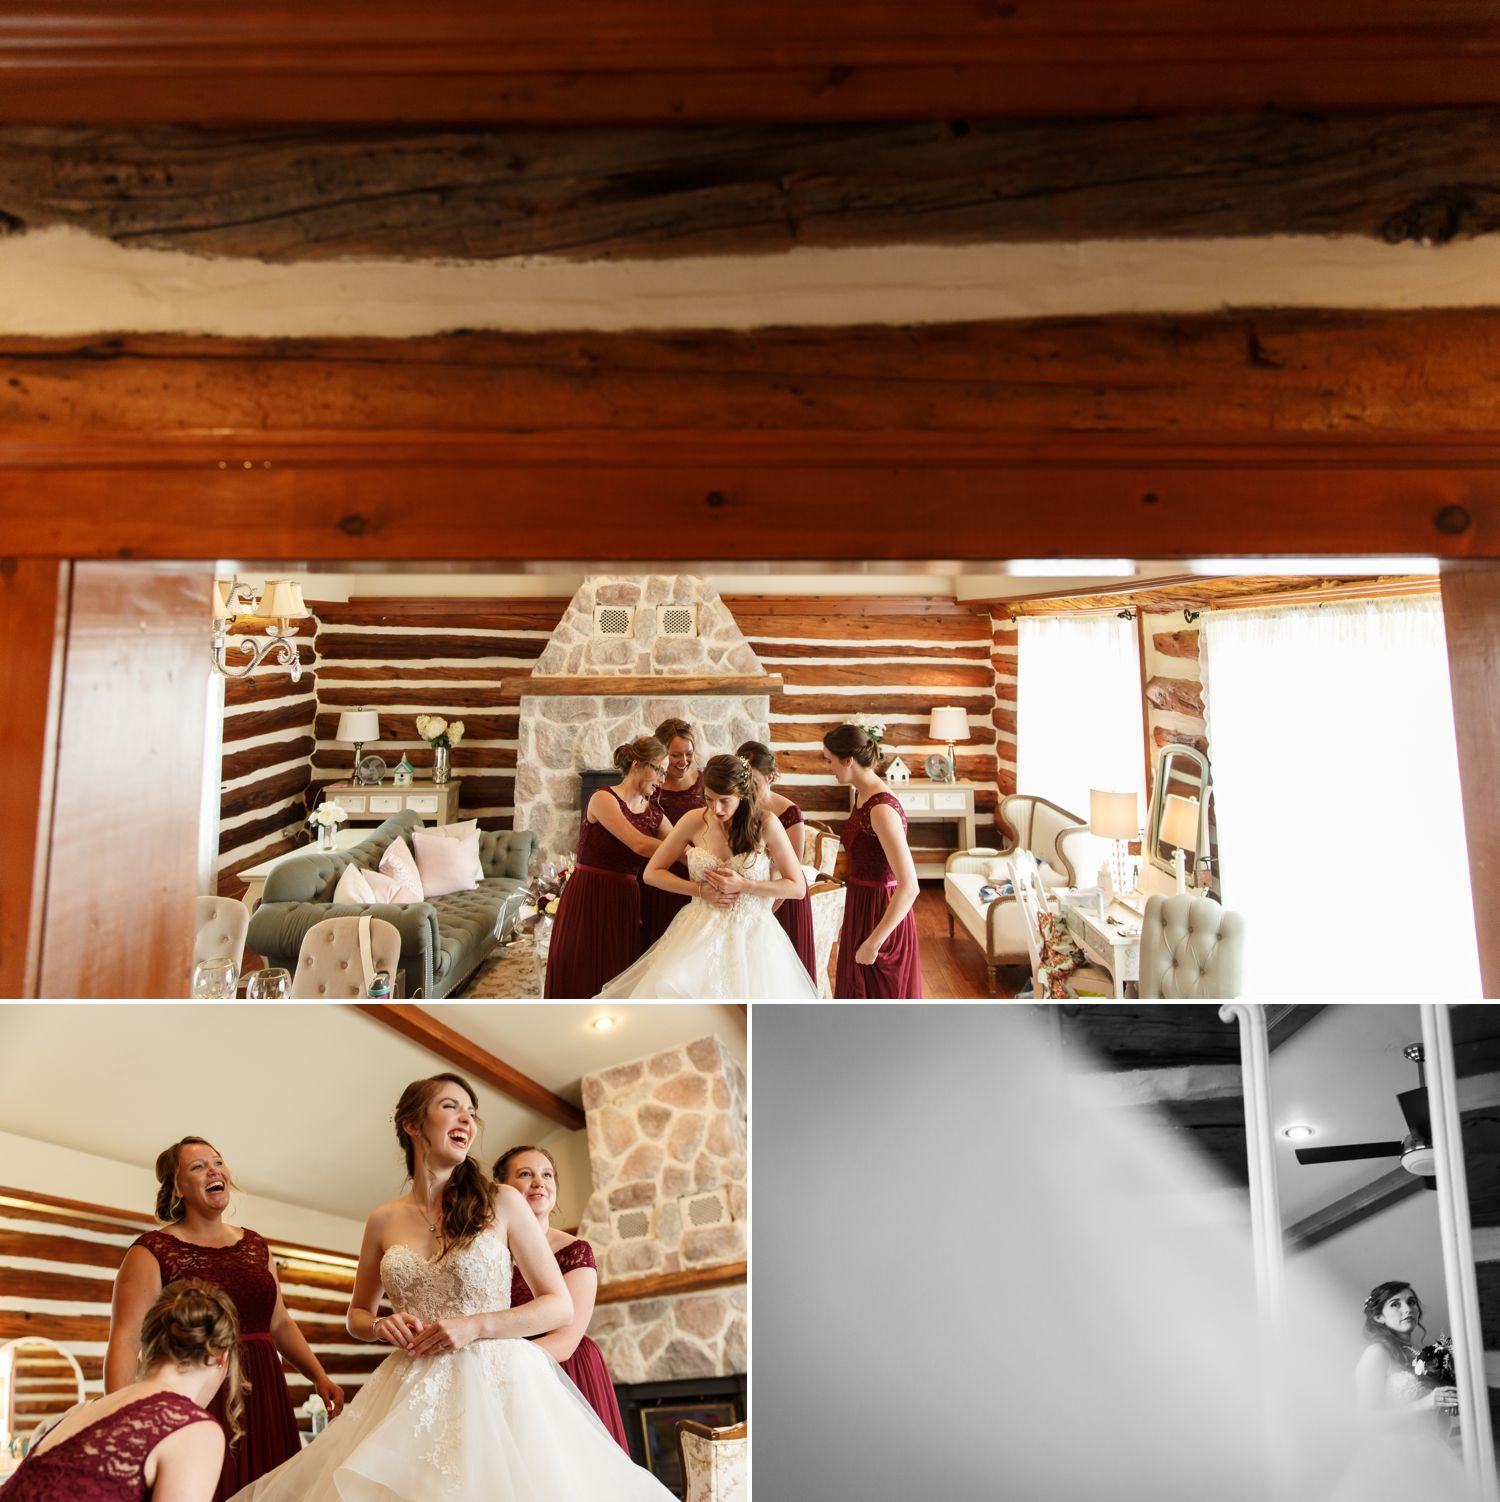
{"points": [[271, 984], [215, 979]]}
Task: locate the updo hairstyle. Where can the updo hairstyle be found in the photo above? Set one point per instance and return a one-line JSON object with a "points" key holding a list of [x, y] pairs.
{"points": [[645, 748], [169, 1205], [761, 758], [852, 741], [731, 774], [190, 1323], [469, 1199]]}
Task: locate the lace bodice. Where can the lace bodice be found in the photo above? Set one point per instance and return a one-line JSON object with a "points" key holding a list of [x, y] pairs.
{"points": [[867, 860], [473, 1280], [105, 1462], [598, 847], [243, 1271], [756, 866]]}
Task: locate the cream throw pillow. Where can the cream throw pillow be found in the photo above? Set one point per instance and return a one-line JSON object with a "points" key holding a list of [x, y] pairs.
{"points": [[399, 864], [363, 887], [446, 863]]}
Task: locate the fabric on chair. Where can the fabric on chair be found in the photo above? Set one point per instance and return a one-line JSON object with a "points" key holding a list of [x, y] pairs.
{"points": [[330, 964], [714, 1462], [221, 925], [1191, 948]]}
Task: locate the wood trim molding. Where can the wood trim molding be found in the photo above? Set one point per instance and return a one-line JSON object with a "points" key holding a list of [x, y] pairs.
{"points": [[1350, 1209], [691, 1280], [453, 1048], [541, 686]]}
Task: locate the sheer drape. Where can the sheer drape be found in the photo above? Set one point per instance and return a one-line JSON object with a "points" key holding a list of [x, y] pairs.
{"points": [[1341, 831], [1078, 708]]}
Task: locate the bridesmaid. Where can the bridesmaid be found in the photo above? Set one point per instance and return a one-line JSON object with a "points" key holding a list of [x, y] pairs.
{"points": [[598, 932], [794, 914], [150, 1437], [533, 1171], [192, 1196], [879, 955], [681, 791]]}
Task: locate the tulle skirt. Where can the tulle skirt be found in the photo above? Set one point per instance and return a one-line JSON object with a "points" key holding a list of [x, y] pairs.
{"points": [[896, 974], [718, 954], [591, 1377], [495, 1422]]}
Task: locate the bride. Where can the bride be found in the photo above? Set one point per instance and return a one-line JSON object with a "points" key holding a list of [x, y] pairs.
{"points": [[726, 942], [465, 1409]]}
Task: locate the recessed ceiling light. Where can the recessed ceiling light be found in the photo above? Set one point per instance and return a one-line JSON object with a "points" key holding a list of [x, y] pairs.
{"points": [[1299, 1132], [602, 1024]]}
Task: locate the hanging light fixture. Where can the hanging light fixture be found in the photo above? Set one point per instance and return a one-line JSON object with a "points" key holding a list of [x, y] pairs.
{"points": [[281, 601]]}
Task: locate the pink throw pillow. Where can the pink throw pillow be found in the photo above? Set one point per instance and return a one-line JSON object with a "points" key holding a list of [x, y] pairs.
{"points": [[446, 863], [399, 864], [363, 887], [466, 830]]}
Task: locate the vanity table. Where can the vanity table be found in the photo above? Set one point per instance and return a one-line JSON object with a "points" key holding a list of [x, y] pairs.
{"points": [[1114, 946]]}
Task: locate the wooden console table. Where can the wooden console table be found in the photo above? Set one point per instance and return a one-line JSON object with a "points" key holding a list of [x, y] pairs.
{"points": [[374, 802], [928, 802]]}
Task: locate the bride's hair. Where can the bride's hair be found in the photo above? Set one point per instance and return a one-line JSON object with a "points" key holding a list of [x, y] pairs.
{"points": [[1381, 1334], [469, 1199], [731, 774]]}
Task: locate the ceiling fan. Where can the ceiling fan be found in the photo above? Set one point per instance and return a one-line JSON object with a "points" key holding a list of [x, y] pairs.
{"points": [[1414, 1150]]}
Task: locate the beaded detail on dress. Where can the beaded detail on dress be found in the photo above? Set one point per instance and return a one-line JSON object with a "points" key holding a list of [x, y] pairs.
{"points": [[243, 1271], [867, 860]]}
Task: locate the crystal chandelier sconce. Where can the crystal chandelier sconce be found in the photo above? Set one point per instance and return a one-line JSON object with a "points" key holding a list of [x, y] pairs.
{"points": [[281, 601]]}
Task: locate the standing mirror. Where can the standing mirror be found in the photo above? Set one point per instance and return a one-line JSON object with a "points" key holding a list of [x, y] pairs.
{"points": [[1181, 830], [39, 1382]]}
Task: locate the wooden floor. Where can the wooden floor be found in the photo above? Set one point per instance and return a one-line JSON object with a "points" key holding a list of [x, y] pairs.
{"points": [[953, 969]]}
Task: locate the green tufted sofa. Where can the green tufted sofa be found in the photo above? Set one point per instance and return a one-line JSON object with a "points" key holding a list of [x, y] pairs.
{"points": [[442, 941]]}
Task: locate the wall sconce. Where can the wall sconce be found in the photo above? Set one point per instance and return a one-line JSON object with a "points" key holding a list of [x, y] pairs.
{"points": [[281, 600]]}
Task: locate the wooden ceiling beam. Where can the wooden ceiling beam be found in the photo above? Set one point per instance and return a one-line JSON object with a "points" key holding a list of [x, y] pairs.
{"points": [[1350, 1209], [674, 61], [467, 1056]]}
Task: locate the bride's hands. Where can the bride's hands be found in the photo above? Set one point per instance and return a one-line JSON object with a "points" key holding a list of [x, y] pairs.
{"points": [[1443, 1398], [445, 1335], [729, 880], [399, 1330], [710, 890]]}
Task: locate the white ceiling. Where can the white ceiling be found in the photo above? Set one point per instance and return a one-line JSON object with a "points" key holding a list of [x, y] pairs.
{"points": [[298, 1098]]}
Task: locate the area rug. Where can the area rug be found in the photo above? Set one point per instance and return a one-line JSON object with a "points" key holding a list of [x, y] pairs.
{"points": [[509, 974]]}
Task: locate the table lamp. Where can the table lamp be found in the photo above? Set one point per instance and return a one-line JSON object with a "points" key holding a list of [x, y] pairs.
{"points": [[1115, 817], [1179, 827], [949, 724], [358, 726]]}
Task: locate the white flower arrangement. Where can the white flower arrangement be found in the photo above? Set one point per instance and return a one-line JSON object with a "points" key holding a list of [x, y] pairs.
{"points": [[436, 731], [328, 815]]}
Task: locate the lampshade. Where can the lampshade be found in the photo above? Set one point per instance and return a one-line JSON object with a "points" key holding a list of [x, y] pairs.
{"points": [[358, 726], [949, 724], [1179, 822], [1114, 816], [282, 599], [223, 610]]}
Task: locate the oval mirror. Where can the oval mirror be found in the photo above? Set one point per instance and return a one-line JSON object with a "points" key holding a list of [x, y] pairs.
{"points": [[39, 1383], [1182, 819]]}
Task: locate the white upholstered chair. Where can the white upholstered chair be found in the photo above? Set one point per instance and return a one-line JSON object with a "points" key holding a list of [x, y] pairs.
{"points": [[1191, 948], [220, 931], [330, 963], [714, 1462]]}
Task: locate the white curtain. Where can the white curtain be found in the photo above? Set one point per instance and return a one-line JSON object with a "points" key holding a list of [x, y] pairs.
{"points": [[1078, 709], [1341, 834]]}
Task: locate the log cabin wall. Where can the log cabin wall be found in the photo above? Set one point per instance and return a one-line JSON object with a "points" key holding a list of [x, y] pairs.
{"points": [[1172, 685], [57, 1268], [266, 759]]}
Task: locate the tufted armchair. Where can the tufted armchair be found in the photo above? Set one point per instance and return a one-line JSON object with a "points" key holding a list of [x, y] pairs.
{"points": [[1191, 948], [221, 925], [443, 940], [330, 966], [714, 1462]]}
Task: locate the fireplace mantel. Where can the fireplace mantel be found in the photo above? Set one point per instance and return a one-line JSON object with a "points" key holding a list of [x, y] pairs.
{"points": [[649, 686]]}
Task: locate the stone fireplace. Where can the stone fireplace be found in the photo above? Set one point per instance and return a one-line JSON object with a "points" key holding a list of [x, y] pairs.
{"points": [[571, 720], [667, 1149]]}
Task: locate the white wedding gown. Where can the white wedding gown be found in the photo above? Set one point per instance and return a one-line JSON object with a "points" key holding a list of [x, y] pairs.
{"points": [[709, 953], [498, 1421]]}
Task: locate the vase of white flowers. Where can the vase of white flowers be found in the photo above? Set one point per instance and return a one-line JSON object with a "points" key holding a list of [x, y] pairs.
{"points": [[442, 737], [325, 819]]}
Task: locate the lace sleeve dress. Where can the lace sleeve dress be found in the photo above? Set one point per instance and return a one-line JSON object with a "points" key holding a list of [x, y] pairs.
{"points": [[896, 974]]}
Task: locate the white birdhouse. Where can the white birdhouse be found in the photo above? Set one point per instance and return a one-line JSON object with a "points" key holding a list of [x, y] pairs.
{"points": [[404, 770], [898, 771]]}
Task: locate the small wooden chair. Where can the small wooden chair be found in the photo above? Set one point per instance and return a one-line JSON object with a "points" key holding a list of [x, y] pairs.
{"points": [[715, 1462]]}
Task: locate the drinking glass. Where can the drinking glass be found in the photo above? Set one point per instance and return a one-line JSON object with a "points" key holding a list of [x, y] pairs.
{"points": [[215, 979], [271, 984]]}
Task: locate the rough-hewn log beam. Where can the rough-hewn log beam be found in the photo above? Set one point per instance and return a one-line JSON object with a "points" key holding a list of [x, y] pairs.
{"points": [[659, 1285], [295, 194], [1350, 1209], [89, 61]]}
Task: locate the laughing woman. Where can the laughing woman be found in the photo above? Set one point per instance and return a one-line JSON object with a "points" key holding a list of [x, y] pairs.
{"points": [[532, 1172], [880, 958], [194, 1242]]}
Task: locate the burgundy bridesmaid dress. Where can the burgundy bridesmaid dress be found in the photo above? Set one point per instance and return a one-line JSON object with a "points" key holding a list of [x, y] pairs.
{"points": [[586, 1365], [597, 931], [105, 1462], [245, 1273], [795, 915], [658, 908], [896, 974]]}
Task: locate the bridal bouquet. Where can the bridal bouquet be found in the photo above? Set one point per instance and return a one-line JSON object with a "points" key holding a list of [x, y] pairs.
{"points": [[436, 731], [1434, 1363], [544, 895]]}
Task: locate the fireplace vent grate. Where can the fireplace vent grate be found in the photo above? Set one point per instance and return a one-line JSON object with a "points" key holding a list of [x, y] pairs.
{"points": [[677, 620], [710, 1208], [635, 1224], [613, 620]]}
